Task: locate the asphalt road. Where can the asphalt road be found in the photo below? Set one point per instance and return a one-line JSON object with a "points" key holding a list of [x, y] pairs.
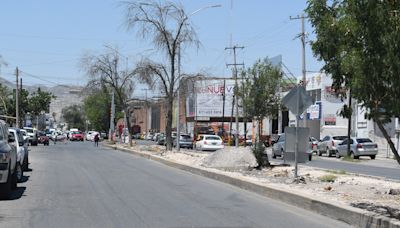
{"points": [[359, 167], [79, 185]]}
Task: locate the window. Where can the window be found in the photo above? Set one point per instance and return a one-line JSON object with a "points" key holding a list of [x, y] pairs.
{"points": [[200, 138], [339, 137], [326, 138], [366, 140], [212, 138], [185, 136]]}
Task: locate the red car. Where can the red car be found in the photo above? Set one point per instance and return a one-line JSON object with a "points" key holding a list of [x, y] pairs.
{"points": [[42, 138], [76, 136]]}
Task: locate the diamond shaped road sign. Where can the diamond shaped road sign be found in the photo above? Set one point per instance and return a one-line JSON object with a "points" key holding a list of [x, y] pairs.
{"points": [[290, 100]]}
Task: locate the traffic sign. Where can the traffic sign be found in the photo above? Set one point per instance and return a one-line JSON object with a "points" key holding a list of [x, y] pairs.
{"points": [[297, 100]]}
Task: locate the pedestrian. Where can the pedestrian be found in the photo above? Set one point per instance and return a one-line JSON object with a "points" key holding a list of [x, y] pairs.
{"points": [[96, 140]]}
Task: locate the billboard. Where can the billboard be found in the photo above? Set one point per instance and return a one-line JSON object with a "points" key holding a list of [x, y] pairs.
{"points": [[207, 100]]}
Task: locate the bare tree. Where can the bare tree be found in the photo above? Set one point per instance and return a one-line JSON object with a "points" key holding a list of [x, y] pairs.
{"points": [[106, 70], [167, 25]]}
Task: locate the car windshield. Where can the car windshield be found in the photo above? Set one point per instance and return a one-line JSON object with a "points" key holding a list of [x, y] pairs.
{"points": [[185, 136], [339, 137], [366, 140], [76, 132], [29, 130], [212, 138]]}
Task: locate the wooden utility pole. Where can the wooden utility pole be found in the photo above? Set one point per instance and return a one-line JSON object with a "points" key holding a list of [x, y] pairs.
{"points": [[235, 90], [21, 123], [16, 98]]}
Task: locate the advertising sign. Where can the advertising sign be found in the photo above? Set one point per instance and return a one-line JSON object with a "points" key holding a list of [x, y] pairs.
{"points": [[208, 98]]}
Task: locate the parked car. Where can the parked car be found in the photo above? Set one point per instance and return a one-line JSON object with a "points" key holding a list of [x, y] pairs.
{"points": [[103, 135], [209, 142], [149, 136], [18, 142], [329, 143], [32, 135], [25, 135], [43, 138], [8, 162], [314, 145], [161, 139], [249, 140], [92, 134], [358, 147], [278, 148], [89, 136], [155, 136], [76, 136], [185, 141], [22, 147]]}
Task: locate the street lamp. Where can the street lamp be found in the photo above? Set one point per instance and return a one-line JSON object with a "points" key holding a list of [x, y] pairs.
{"points": [[178, 130]]}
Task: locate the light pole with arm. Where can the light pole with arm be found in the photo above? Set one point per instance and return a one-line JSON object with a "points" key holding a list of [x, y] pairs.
{"points": [[178, 130]]}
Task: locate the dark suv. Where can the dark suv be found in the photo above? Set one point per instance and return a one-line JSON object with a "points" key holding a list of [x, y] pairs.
{"points": [[8, 161]]}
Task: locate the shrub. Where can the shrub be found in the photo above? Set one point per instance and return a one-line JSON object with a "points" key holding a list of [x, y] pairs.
{"points": [[328, 178], [259, 152]]}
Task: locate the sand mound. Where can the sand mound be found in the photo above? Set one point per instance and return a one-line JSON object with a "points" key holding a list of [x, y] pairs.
{"points": [[231, 157]]}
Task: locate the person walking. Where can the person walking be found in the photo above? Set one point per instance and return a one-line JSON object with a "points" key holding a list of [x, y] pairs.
{"points": [[96, 140]]}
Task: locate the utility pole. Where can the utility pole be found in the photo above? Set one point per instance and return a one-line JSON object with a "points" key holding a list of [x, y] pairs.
{"points": [[147, 124], [20, 101], [16, 98], [111, 131], [302, 35], [235, 90], [178, 101], [223, 112]]}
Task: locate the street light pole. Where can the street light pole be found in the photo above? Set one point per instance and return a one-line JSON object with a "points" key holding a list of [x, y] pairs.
{"points": [[178, 129]]}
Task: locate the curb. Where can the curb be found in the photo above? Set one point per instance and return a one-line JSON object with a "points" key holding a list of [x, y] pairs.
{"points": [[350, 215]]}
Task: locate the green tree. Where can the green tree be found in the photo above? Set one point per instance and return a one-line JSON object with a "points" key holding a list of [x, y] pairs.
{"points": [[39, 102], [258, 92], [74, 116], [97, 108], [359, 42]]}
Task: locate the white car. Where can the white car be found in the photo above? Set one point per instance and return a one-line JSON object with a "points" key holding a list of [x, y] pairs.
{"points": [[328, 145], [209, 142], [22, 159], [25, 135], [89, 135]]}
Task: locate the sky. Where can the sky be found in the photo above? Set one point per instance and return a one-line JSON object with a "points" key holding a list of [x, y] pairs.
{"points": [[47, 38]]}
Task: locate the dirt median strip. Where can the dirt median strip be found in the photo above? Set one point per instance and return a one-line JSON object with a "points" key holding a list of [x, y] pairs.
{"points": [[352, 216]]}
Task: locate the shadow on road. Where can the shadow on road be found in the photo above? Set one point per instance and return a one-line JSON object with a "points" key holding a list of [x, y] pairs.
{"points": [[24, 179], [17, 193]]}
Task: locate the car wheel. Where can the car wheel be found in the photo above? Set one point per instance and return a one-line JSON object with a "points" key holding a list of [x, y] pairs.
{"points": [[282, 154], [372, 157], [337, 154], [273, 154], [328, 152], [319, 153], [5, 188], [25, 164], [19, 172], [352, 155], [310, 157]]}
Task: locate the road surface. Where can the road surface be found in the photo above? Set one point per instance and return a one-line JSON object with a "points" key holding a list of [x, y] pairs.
{"points": [[79, 185]]}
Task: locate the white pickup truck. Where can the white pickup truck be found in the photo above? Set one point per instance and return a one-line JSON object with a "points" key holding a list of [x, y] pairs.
{"points": [[8, 160]]}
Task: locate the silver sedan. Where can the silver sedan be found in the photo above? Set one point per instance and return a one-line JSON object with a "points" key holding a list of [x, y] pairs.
{"points": [[358, 147]]}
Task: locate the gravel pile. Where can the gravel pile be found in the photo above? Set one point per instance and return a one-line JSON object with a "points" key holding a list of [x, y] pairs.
{"points": [[231, 157]]}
